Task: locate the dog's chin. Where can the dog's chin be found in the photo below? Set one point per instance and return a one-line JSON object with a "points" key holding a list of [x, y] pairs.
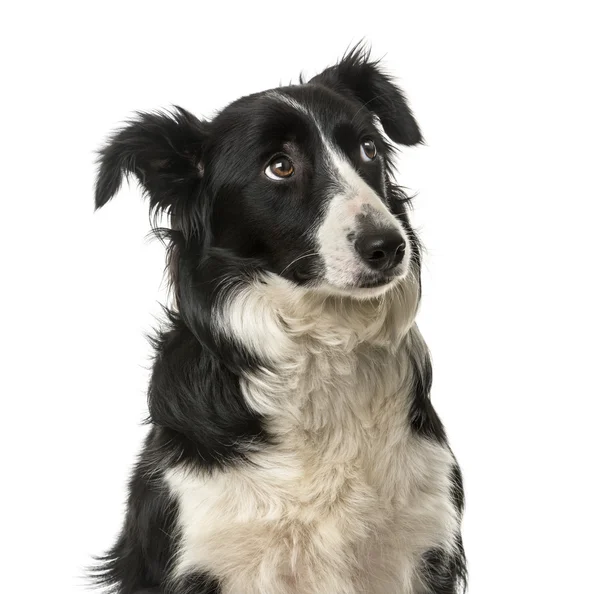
{"points": [[364, 288]]}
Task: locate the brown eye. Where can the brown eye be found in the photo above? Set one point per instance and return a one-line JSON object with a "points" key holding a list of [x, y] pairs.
{"points": [[280, 168], [368, 150]]}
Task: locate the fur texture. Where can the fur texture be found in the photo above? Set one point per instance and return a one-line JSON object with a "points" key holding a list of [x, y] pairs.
{"points": [[293, 447]]}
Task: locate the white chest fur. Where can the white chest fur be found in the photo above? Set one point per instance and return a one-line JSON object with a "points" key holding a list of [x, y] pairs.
{"points": [[345, 502]]}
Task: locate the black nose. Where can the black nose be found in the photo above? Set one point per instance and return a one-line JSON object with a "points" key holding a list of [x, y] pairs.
{"points": [[381, 250]]}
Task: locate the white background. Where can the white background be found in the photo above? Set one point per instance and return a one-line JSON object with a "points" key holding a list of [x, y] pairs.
{"points": [[507, 97]]}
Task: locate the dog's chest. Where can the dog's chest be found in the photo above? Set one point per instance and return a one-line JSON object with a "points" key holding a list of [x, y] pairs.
{"points": [[346, 501], [347, 425]]}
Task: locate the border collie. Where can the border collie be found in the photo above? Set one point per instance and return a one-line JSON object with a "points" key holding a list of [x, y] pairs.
{"points": [[293, 446]]}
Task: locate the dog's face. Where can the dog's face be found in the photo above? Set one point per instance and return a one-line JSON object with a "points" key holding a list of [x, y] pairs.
{"points": [[294, 180]]}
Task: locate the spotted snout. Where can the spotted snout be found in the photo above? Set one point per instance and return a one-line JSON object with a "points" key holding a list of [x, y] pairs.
{"points": [[362, 244]]}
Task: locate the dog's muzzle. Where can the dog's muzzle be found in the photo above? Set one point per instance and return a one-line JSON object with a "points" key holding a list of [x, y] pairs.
{"points": [[381, 250]]}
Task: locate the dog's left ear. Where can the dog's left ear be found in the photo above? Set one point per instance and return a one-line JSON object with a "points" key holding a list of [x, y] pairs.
{"points": [[165, 151], [363, 79]]}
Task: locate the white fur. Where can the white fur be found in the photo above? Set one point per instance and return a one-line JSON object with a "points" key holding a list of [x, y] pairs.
{"points": [[348, 498], [353, 199]]}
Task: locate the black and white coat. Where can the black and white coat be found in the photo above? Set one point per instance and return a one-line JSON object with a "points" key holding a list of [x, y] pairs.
{"points": [[293, 447]]}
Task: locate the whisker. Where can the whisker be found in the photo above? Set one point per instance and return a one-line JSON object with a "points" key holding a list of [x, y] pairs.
{"points": [[299, 258]]}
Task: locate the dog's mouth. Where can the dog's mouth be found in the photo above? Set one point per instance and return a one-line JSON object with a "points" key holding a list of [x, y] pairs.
{"points": [[361, 284], [303, 275], [381, 281], [363, 288]]}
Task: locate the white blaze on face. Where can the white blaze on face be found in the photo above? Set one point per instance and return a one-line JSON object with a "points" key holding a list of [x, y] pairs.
{"points": [[354, 202]]}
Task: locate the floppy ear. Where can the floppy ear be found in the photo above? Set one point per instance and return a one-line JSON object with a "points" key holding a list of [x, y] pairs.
{"points": [[364, 80], [163, 150]]}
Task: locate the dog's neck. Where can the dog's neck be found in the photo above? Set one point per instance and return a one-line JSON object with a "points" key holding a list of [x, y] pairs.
{"points": [[327, 359], [279, 322]]}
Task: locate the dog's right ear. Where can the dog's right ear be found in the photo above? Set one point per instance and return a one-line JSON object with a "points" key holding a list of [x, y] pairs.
{"points": [[163, 150], [356, 74]]}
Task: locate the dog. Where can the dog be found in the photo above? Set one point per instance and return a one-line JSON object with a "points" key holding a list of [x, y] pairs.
{"points": [[293, 447]]}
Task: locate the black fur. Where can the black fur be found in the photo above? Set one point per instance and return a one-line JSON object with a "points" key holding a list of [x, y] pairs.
{"points": [[227, 222], [362, 79]]}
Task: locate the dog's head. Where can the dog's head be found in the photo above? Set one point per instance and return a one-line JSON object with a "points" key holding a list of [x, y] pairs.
{"points": [[293, 182]]}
